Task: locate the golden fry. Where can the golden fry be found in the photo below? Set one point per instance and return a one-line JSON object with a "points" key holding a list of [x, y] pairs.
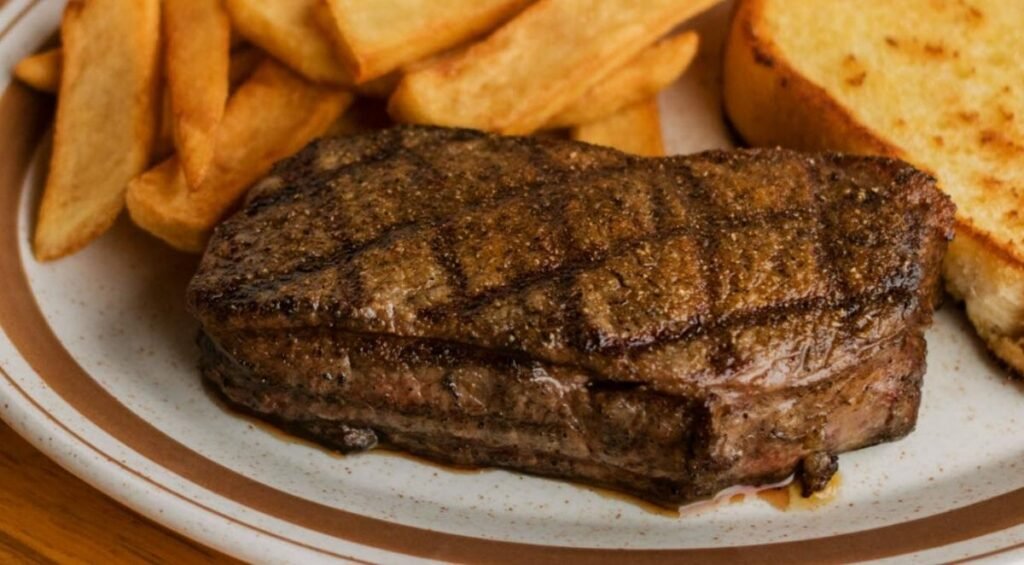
{"points": [[375, 37], [273, 115], [641, 78], [288, 30], [197, 45], [41, 71], [537, 64], [106, 119], [635, 129]]}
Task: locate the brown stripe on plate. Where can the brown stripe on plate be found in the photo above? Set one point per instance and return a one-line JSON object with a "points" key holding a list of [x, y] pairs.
{"points": [[22, 119]]}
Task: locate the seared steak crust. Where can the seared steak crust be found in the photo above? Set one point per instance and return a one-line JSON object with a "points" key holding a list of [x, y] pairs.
{"points": [[666, 326]]}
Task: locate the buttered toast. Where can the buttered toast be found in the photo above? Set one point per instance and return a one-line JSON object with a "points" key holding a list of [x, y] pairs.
{"points": [[937, 83]]}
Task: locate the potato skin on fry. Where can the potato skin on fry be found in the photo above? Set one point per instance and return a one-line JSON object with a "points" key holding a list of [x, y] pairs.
{"points": [[634, 129], [272, 115], [197, 43], [537, 64], [41, 71], [106, 119]]}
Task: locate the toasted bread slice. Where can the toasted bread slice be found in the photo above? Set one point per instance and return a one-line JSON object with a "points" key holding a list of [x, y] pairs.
{"points": [[937, 83]]}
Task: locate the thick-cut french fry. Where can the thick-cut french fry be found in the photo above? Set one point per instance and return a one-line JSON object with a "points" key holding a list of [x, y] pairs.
{"points": [[644, 76], [40, 71], [106, 119], [378, 36], [273, 115], [635, 129], [288, 30], [197, 36], [537, 64]]}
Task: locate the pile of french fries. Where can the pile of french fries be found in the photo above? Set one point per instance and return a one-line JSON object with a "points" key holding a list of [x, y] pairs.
{"points": [[174, 108]]}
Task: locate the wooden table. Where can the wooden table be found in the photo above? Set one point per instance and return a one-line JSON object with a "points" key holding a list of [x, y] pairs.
{"points": [[48, 515]]}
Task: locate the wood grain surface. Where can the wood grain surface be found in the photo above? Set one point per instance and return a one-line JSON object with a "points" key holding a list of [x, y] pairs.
{"points": [[48, 515]]}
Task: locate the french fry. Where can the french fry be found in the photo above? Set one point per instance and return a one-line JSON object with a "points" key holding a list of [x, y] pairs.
{"points": [[644, 76], [273, 115], [106, 119], [635, 129], [41, 71], [374, 38], [288, 30], [533, 67], [197, 35]]}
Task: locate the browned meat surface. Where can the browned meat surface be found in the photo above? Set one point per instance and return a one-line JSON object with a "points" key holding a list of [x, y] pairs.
{"points": [[668, 327]]}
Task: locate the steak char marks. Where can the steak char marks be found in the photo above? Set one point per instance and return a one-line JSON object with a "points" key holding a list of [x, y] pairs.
{"points": [[668, 327]]}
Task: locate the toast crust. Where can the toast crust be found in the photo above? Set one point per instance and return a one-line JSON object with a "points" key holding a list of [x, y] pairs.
{"points": [[770, 107], [767, 100]]}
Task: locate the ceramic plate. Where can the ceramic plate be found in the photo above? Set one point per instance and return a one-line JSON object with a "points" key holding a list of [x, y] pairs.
{"points": [[99, 371]]}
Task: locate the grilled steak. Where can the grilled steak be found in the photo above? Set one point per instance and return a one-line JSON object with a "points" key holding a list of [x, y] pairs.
{"points": [[668, 327]]}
